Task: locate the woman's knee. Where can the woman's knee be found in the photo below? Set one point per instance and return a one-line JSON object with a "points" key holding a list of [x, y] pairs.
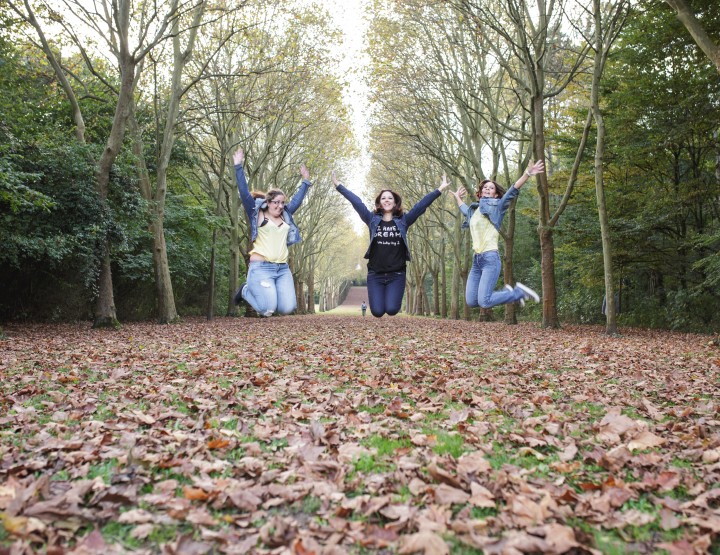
{"points": [[485, 303]]}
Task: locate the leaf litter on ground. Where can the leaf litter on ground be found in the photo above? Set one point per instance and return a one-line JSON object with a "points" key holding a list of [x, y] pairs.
{"points": [[330, 435]]}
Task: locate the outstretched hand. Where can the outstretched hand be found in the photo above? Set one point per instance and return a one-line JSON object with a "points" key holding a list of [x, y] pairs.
{"points": [[444, 185], [239, 157], [304, 172], [334, 178], [460, 193], [537, 168]]}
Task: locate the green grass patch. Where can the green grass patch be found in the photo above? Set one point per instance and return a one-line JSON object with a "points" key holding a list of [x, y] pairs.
{"points": [[105, 470], [60, 476], [117, 533], [275, 444], [311, 505], [386, 446], [448, 443], [595, 411], [459, 548], [370, 464], [375, 409]]}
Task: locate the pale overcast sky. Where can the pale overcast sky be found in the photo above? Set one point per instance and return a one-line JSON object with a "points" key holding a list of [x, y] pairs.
{"points": [[349, 17]]}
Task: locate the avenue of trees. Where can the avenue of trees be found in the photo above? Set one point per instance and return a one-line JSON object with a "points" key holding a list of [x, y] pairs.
{"points": [[117, 191]]}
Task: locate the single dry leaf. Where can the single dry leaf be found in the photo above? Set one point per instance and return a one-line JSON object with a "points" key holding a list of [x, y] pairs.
{"points": [[645, 440], [426, 543]]}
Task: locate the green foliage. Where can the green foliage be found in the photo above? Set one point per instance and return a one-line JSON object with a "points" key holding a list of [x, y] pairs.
{"points": [[52, 221], [661, 100]]}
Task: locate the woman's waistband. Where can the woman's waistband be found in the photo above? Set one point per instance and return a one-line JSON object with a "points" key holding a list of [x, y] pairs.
{"points": [[267, 262]]}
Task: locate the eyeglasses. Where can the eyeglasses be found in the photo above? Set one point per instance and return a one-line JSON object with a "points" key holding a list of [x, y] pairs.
{"points": [[277, 202]]}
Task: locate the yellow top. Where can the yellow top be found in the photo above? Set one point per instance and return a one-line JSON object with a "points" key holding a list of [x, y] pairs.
{"points": [[484, 234], [271, 242]]}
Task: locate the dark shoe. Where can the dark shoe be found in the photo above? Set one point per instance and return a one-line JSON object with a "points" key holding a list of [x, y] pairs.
{"points": [[239, 294]]}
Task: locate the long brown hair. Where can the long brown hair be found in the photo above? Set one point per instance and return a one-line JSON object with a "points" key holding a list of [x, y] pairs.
{"points": [[397, 211], [499, 191]]}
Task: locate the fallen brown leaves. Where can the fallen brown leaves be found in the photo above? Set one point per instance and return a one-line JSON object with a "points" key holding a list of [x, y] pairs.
{"points": [[329, 435]]}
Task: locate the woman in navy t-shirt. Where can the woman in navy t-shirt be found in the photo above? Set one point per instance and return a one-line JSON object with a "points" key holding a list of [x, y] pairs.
{"points": [[388, 251]]}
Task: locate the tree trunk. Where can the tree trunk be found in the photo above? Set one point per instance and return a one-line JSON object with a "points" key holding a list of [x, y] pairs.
{"points": [[436, 292], [696, 30], [600, 51], [311, 286], [163, 286], [213, 251], [105, 314], [545, 230], [105, 306], [234, 264], [163, 282], [443, 283], [300, 289], [510, 317], [210, 312], [455, 293], [465, 271], [547, 265]]}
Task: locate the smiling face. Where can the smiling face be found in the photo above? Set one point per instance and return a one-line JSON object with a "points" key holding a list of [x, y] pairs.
{"points": [[275, 202], [388, 202], [275, 206], [488, 190]]}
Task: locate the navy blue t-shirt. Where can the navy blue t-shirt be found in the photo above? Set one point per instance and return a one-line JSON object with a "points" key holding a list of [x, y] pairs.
{"points": [[387, 252]]}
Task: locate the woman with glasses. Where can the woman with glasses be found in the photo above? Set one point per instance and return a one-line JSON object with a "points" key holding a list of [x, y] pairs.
{"points": [[484, 219], [388, 251], [269, 287]]}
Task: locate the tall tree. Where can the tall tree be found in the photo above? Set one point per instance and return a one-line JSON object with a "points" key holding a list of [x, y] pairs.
{"points": [[663, 176], [156, 195], [114, 23], [608, 21], [272, 92], [528, 42]]}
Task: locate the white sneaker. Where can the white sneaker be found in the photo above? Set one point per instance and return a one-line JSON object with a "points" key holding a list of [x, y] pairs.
{"points": [[529, 293], [510, 288]]}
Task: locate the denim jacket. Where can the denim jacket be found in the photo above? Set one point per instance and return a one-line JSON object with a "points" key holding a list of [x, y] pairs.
{"points": [[372, 219], [494, 208], [252, 206]]}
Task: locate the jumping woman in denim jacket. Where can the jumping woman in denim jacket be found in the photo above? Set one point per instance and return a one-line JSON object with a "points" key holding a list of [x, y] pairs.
{"points": [[269, 287], [388, 251], [484, 219]]}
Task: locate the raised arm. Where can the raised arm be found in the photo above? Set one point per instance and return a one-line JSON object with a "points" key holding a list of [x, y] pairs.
{"points": [[298, 197], [419, 209], [532, 170], [245, 196], [459, 194], [355, 201], [444, 184]]}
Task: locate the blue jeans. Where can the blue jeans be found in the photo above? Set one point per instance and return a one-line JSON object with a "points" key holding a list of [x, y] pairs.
{"points": [[385, 292], [270, 288], [481, 281]]}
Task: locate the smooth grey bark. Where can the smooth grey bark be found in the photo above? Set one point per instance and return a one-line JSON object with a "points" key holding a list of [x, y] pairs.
{"points": [[696, 30]]}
